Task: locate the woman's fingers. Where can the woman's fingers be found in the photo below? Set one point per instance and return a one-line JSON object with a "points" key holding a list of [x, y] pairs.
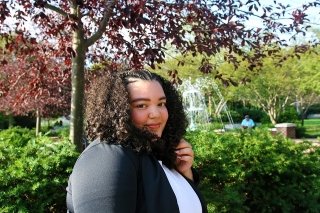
{"points": [[185, 156], [185, 151], [183, 144]]}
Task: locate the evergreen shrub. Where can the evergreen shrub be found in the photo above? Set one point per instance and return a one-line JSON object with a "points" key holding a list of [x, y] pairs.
{"points": [[253, 171], [256, 114], [4, 123], [301, 131], [34, 171], [314, 109], [289, 115]]}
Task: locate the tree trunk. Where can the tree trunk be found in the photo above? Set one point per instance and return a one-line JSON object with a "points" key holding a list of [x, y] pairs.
{"points": [[80, 46], [11, 121], [210, 105], [77, 81], [272, 117], [303, 116], [38, 122], [77, 96]]}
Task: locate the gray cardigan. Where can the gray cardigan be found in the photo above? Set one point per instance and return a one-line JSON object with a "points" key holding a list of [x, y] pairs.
{"points": [[112, 179]]}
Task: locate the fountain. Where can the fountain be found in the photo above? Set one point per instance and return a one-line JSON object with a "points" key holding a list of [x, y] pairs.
{"points": [[222, 107], [195, 105]]}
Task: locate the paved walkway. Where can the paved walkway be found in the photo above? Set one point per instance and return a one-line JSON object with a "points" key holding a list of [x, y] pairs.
{"points": [[315, 141]]}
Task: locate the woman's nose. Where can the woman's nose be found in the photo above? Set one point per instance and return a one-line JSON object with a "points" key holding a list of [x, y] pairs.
{"points": [[154, 112]]}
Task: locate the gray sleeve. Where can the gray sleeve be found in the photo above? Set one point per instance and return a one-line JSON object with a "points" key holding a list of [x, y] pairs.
{"points": [[104, 179]]}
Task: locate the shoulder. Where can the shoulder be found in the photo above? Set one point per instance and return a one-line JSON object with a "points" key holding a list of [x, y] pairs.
{"points": [[105, 155], [103, 177]]}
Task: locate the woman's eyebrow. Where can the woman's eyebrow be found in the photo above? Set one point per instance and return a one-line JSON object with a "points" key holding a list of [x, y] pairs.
{"points": [[146, 99], [139, 99]]}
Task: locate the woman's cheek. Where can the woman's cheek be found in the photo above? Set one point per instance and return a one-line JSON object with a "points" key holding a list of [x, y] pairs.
{"points": [[138, 117]]}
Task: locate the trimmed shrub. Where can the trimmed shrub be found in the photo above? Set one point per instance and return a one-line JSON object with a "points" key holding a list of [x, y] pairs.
{"points": [[256, 114], [4, 123], [300, 131], [289, 115], [25, 121], [34, 171], [253, 171], [314, 109], [242, 171]]}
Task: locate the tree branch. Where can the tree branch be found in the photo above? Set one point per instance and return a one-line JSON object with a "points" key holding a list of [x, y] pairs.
{"points": [[103, 24], [17, 79], [55, 9]]}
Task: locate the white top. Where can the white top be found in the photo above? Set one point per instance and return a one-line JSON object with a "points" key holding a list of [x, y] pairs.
{"points": [[188, 200]]}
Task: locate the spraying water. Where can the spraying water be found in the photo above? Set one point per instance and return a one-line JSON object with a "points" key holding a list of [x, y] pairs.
{"points": [[195, 105]]}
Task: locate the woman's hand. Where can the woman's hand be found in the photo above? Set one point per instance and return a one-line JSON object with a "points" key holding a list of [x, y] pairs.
{"points": [[184, 159]]}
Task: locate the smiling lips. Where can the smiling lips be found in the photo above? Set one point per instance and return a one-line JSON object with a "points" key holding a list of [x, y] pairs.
{"points": [[153, 126]]}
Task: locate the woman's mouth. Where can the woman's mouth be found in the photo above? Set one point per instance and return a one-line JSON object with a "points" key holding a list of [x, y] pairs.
{"points": [[153, 126]]}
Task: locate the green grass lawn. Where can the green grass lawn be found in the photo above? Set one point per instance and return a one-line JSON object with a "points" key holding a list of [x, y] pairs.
{"points": [[312, 128], [312, 122]]}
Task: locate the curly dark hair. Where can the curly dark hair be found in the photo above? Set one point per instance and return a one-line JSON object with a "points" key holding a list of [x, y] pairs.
{"points": [[108, 116]]}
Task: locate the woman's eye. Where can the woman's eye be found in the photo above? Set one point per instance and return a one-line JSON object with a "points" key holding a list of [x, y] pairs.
{"points": [[141, 106], [163, 104]]}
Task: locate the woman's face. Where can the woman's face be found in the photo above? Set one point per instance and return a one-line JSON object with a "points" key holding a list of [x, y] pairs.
{"points": [[148, 105]]}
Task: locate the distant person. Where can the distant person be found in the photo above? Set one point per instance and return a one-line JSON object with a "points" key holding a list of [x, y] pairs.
{"points": [[247, 122]]}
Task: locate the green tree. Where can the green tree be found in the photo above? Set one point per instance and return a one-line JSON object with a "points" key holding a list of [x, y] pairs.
{"points": [[306, 81], [271, 89]]}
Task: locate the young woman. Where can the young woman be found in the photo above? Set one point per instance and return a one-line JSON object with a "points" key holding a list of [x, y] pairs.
{"points": [[138, 161]]}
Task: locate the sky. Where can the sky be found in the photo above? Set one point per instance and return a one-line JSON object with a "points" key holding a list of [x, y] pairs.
{"points": [[313, 15]]}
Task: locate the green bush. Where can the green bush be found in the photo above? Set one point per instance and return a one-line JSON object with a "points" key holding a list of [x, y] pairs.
{"points": [[256, 114], [314, 109], [27, 121], [300, 131], [58, 132], [252, 171], [33, 171], [4, 121], [236, 116], [242, 171], [289, 115]]}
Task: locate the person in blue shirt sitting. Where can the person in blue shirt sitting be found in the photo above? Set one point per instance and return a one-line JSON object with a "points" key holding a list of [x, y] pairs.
{"points": [[247, 122]]}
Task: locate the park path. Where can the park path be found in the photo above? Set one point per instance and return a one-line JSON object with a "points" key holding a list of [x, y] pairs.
{"points": [[315, 141]]}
